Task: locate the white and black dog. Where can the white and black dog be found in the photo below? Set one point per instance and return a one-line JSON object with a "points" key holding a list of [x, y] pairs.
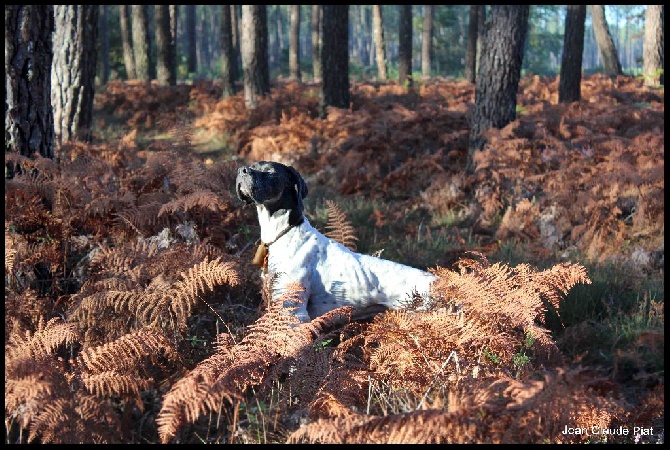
{"points": [[331, 274]]}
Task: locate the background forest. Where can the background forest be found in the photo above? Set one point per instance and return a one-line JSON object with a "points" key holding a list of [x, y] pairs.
{"points": [[516, 152], [450, 26]]}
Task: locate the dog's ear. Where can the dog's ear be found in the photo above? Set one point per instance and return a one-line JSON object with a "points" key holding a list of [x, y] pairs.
{"points": [[299, 184]]}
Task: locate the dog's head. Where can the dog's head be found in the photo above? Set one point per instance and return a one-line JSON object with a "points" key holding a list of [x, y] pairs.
{"points": [[273, 185]]}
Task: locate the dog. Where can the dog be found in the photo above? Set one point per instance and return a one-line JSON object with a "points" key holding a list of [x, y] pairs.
{"points": [[293, 250]]}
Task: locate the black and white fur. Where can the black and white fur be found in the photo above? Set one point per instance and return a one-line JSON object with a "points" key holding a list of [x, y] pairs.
{"points": [[331, 274]]}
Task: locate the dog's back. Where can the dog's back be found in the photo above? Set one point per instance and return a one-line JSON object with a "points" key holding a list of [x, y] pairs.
{"points": [[338, 277]]}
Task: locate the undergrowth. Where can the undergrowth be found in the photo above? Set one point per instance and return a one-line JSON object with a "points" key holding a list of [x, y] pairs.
{"points": [[133, 314]]}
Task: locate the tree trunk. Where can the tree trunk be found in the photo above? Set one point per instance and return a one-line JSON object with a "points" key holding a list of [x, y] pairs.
{"points": [[200, 32], [104, 44], [294, 43], [653, 45], [369, 28], [29, 126], [141, 42], [316, 41], [174, 12], [191, 59], [471, 52], [499, 73], [335, 58], [280, 29], [380, 46], [254, 54], [164, 47], [277, 47], [73, 71], [128, 56], [405, 46], [569, 87], [227, 53], [235, 14], [361, 36], [605, 42], [427, 41], [481, 30]]}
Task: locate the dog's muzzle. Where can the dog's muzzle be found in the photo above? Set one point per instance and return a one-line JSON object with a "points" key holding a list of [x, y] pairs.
{"points": [[244, 183]]}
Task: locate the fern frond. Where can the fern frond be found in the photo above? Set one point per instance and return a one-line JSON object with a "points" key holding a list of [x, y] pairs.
{"points": [[113, 382], [51, 420], [339, 227], [44, 341], [141, 219], [273, 339], [119, 301], [124, 353], [190, 396], [10, 257], [76, 419], [203, 198], [502, 411], [200, 278], [25, 395], [181, 135]]}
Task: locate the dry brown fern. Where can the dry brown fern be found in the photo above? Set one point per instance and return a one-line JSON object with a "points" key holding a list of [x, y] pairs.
{"points": [[480, 320], [226, 375], [44, 392], [33, 376], [272, 347], [489, 411], [10, 257], [78, 418], [45, 340], [162, 302], [205, 199], [127, 366], [184, 294], [501, 298], [339, 227]]}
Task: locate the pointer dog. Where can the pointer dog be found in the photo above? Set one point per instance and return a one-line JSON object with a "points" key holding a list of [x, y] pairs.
{"points": [[331, 274]]}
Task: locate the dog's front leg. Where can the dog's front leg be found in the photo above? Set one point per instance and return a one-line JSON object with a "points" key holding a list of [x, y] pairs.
{"points": [[296, 290]]}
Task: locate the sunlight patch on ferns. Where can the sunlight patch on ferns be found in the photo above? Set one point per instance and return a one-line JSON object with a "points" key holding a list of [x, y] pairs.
{"points": [[502, 410]]}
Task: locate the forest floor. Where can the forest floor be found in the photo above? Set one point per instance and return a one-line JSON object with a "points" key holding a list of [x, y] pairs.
{"points": [[579, 184]]}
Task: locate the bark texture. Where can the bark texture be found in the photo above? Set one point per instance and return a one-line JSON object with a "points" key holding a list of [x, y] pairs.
{"points": [[29, 125], [335, 58], [140, 27], [653, 45], [73, 71], [127, 42], [427, 41], [316, 41], [165, 52], [405, 46], [294, 43], [380, 46], [499, 73], [569, 86], [471, 51], [254, 49], [605, 42]]}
